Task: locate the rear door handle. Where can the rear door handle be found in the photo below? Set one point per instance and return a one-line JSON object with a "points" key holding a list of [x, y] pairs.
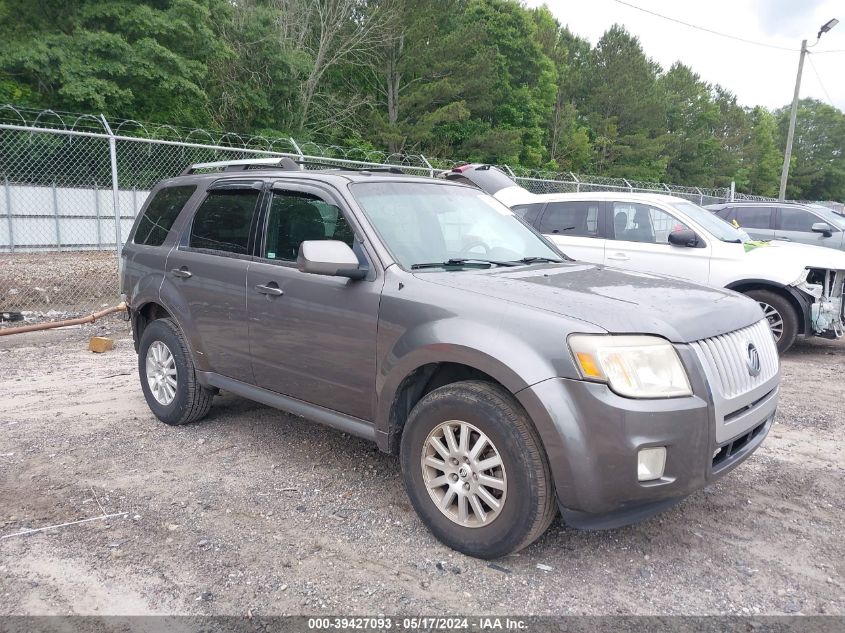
{"points": [[271, 291], [619, 257], [183, 273]]}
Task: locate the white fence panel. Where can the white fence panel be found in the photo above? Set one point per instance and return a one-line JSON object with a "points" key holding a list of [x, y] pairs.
{"points": [[63, 218]]}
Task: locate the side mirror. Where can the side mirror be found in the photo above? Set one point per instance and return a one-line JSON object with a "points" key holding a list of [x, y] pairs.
{"points": [[823, 228], [684, 237], [329, 257]]}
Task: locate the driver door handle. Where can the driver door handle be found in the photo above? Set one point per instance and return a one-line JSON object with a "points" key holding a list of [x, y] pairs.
{"points": [[270, 291], [619, 257]]}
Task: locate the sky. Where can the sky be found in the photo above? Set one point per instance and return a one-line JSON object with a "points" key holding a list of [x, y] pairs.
{"points": [[756, 75]]}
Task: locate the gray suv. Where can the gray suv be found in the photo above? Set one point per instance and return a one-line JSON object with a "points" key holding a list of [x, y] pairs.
{"points": [[786, 221], [511, 381]]}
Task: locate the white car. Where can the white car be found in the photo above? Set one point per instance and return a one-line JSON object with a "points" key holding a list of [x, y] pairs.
{"points": [[798, 287]]}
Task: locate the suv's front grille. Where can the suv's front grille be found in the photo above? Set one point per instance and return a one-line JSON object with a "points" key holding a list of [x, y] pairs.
{"points": [[728, 358]]}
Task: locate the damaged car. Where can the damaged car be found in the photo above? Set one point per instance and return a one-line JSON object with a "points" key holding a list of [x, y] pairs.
{"points": [[422, 315], [799, 287]]}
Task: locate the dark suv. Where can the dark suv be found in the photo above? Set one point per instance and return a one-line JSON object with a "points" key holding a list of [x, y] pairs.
{"points": [[425, 316]]}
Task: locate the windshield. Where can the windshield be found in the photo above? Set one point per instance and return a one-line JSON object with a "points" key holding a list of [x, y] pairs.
{"points": [[713, 224], [424, 223]]}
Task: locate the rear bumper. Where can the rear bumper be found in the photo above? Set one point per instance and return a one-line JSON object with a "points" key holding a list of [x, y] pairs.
{"points": [[592, 437]]}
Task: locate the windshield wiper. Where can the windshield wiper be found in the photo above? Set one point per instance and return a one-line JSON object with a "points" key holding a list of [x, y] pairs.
{"points": [[464, 262], [535, 260]]}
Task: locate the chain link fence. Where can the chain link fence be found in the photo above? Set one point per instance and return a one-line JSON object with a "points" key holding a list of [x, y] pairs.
{"points": [[71, 186]]}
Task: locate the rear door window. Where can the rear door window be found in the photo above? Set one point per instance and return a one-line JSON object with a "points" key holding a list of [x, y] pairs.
{"points": [[223, 221], [576, 218], [754, 217], [161, 213]]}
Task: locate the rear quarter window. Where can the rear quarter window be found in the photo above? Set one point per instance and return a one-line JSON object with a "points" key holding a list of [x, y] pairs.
{"points": [[161, 213]]}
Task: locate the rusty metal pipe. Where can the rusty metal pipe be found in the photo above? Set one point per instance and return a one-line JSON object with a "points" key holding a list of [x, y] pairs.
{"points": [[54, 324]]}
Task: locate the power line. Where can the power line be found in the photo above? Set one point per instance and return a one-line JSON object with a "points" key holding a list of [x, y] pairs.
{"points": [[816, 72], [841, 50], [711, 31]]}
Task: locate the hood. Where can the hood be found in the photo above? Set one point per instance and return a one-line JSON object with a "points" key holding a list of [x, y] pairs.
{"points": [[621, 302], [778, 254]]}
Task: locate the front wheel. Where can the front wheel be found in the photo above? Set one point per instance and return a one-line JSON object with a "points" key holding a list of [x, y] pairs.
{"points": [[782, 317], [475, 470]]}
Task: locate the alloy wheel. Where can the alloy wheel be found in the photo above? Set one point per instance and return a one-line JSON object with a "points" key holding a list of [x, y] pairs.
{"points": [[464, 474], [774, 318], [161, 373]]}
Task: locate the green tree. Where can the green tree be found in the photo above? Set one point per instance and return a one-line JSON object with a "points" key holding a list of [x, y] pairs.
{"points": [[817, 170], [762, 156], [691, 118], [143, 60], [626, 108], [253, 86], [568, 135]]}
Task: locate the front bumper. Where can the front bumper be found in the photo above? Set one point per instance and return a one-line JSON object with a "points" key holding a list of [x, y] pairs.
{"points": [[592, 437]]}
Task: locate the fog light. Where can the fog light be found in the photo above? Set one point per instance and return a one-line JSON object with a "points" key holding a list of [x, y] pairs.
{"points": [[650, 463]]}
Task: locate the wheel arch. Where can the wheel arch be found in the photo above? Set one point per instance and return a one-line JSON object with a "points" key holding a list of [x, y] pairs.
{"points": [[416, 384], [798, 302], [143, 316]]}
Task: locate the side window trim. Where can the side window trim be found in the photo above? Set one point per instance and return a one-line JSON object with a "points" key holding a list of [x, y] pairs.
{"points": [[235, 184]]}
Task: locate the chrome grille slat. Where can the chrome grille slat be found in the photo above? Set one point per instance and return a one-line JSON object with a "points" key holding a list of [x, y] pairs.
{"points": [[725, 356]]}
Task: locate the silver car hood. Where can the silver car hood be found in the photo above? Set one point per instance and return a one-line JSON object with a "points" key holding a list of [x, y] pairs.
{"points": [[618, 301]]}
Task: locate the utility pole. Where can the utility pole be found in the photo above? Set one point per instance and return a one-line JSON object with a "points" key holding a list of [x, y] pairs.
{"points": [[787, 155]]}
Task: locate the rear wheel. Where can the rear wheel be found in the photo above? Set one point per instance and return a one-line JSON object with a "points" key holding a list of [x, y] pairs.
{"points": [[782, 317], [167, 374], [475, 470]]}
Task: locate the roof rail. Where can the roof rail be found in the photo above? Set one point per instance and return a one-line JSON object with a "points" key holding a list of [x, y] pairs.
{"points": [[285, 163], [240, 165]]}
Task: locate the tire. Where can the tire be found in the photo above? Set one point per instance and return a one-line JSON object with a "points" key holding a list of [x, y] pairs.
{"points": [[776, 307], [186, 400], [527, 502]]}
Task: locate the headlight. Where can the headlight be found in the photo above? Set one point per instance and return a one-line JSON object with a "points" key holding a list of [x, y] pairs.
{"points": [[633, 366]]}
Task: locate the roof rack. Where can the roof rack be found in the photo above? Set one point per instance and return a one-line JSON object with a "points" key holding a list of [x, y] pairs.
{"points": [[285, 163], [241, 165]]}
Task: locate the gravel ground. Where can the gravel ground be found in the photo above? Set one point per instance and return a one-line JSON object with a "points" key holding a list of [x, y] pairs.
{"points": [[51, 286], [254, 511]]}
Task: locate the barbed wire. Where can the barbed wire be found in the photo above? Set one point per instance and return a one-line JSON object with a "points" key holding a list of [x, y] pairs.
{"points": [[88, 123]]}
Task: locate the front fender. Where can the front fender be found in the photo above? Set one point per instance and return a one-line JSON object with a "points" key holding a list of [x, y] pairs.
{"points": [[504, 353], [801, 301]]}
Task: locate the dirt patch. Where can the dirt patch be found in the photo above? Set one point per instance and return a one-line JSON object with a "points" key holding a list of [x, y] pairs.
{"points": [[254, 510], [51, 286]]}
